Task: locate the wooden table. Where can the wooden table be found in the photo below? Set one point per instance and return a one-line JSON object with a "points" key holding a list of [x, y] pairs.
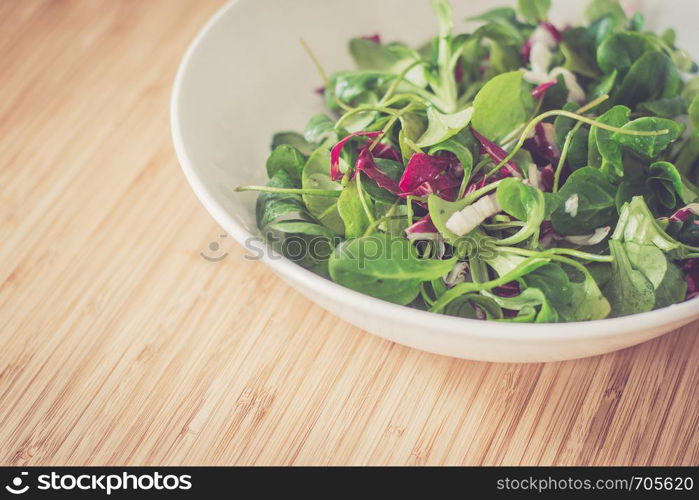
{"points": [[120, 344]]}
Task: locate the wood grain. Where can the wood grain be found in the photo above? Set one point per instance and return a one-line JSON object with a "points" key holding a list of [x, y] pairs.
{"points": [[120, 344]]}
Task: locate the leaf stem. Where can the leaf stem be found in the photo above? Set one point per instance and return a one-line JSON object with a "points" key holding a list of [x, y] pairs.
{"points": [[396, 83], [559, 251], [364, 109], [330, 193], [564, 156], [362, 199], [593, 104]]}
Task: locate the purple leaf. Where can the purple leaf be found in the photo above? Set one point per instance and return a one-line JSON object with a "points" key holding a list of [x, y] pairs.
{"points": [[555, 33], [691, 274], [387, 152], [421, 227], [376, 38], [540, 91], [497, 154], [683, 214], [335, 173], [547, 178], [459, 72], [366, 165], [507, 291], [425, 175], [543, 145]]}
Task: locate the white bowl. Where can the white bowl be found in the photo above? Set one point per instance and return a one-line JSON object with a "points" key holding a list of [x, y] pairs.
{"points": [[245, 76]]}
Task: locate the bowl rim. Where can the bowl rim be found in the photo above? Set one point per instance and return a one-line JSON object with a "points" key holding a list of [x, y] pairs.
{"points": [[454, 326]]}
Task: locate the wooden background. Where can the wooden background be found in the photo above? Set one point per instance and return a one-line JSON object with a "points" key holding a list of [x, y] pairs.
{"points": [[120, 344]]}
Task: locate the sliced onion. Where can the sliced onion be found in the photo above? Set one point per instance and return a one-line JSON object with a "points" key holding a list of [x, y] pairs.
{"points": [[468, 219], [591, 239], [571, 205]]}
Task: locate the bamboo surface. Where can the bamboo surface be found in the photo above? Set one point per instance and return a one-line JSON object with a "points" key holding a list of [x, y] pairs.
{"points": [[120, 344]]}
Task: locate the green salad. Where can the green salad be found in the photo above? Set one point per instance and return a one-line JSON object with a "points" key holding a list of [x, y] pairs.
{"points": [[521, 172]]}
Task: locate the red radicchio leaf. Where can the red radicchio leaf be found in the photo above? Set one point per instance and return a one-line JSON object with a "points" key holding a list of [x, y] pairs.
{"points": [[366, 165], [543, 145], [387, 153], [508, 291], [423, 226], [547, 177], [497, 154], [376, 38], [691, 273], [425, 175], [545, 137], [335, 173], [682, 215], [459, 72], [540, 91], [555, 33], [546, 231]]}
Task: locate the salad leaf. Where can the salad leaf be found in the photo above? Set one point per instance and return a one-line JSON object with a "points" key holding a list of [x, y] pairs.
{"points": [[351, 210], [620, 50], [384, 267], [609, 150], [672, 289], [524, 203], [666, 183], [637, 225], [652, 76], [319, 129], [651, 146], [351, 86], [588, 203], [629, 291], [503, 15], [669, 107], [640, 247], [578, 48], [475, 307], [527, 303], [316, 175], [534, 11], [293, 139], [273, 207], [443, 126], [286, 158], [694, 114], [501, 33], [502, 105], [598, 9], [573, 300]]}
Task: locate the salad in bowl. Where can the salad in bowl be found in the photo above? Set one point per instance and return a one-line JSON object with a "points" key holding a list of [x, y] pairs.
{"points": [[522, 172]]}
